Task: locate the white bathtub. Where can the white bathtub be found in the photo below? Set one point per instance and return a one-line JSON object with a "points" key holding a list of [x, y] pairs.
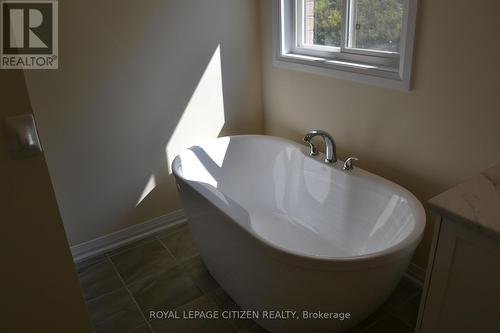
{"points": [[280, 230]]}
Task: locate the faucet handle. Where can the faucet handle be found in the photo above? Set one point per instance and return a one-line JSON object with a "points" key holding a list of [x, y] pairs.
{"points": [[348, 164], [314, 150]]}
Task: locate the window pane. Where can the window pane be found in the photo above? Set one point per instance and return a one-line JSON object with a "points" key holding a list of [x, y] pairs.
{"points": [[323, 22], [376, 24]]}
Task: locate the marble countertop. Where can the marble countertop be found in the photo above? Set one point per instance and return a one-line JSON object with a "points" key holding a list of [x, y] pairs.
{"points": [[475, 201]]}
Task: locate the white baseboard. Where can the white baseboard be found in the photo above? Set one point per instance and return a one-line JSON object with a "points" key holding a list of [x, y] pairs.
{"points": [[122, 237], [416, 274]]}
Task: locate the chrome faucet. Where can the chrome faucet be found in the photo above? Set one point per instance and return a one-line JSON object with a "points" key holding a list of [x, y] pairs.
{"points": [[331, 149], [348, 164]]}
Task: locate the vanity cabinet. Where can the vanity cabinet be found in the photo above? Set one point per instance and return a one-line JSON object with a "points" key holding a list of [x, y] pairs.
{"points": [[462, 287]]}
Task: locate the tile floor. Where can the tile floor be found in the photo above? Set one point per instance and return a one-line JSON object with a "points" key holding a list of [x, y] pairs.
{"points": [[164, 271]]}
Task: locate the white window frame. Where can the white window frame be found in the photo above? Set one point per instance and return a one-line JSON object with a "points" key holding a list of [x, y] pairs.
{"points": [[388, 69]]}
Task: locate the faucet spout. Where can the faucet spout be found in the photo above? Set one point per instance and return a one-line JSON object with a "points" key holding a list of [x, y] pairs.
{"points": [[331, 148]]}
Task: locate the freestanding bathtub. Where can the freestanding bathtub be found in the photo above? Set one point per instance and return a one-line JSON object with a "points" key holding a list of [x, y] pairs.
{"points": [[283, 231]]}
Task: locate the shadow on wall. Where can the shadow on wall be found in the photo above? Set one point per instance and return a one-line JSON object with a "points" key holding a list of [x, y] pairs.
{"points": [[137, 83]]}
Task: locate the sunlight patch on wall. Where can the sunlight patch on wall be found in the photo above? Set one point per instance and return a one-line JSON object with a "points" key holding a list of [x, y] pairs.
{"points": [[203, 117], [150, 186]]}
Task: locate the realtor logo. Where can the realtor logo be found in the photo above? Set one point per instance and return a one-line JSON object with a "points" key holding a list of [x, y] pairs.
{"points": [[29, 38]]}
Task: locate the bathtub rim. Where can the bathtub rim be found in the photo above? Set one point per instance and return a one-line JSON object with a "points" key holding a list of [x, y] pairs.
{"points": [[384, 256]]}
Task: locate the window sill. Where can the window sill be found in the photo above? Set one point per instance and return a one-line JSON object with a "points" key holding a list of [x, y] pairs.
{"points": [[364, 73]]}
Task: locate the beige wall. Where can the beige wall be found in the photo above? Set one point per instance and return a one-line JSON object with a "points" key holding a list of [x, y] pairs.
{"points": [[442, 132], [127, 75], [40, 290]]}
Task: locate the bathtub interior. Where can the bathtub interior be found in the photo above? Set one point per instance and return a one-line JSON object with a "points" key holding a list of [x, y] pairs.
{"points": [[298, 203]]}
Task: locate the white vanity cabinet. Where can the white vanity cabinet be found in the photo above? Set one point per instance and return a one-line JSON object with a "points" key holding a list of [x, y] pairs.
{"points": [[462, 287]]}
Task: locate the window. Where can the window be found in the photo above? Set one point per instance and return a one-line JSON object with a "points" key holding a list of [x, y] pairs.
{"points": [[364, 40]]}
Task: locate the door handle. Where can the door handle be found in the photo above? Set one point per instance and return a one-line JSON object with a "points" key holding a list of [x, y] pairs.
{"points": [[25, 136]]}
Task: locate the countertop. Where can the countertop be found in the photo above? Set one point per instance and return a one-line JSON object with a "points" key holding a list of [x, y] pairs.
{"points": [[475, 201]]}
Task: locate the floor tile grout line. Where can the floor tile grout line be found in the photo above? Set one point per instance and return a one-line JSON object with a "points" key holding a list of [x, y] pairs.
{"points": [[176, 261], [233, 325], [102, 295], [130, 293], [153, 275], [179, 262], [192, 301], [184, 260], [166, 248]]}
